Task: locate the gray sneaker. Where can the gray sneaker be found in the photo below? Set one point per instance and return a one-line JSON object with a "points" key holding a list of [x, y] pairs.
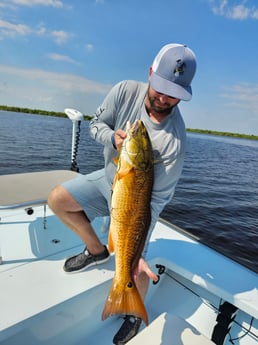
{"points": [[128, 330], [82, 261]]}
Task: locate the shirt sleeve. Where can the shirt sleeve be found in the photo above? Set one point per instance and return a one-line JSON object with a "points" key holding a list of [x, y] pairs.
{"points": [[102, 126]]}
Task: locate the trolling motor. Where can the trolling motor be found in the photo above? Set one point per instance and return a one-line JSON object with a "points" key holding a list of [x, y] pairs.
{"points": [[76, 117]]}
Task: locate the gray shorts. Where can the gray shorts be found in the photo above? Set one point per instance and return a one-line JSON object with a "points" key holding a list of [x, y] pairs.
{"points": [[92, 192]]}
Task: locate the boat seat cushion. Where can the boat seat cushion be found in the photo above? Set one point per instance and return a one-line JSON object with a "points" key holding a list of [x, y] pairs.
{"points": [[18, 190], [168, 329]]}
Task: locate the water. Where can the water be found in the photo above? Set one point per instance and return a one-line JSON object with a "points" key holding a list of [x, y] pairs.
{"points": [[216, 198]]}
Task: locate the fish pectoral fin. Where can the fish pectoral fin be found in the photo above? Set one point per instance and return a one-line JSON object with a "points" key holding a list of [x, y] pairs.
{"points": [[111, 247], [115, 160], [123, 172], [128, 302]]}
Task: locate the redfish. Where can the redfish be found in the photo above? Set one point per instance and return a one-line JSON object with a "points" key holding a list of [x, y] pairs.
{"points": [[130, 219]]}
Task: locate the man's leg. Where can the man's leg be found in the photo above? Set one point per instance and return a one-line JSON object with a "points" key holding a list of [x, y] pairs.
{"points": [[76, 203], [71, 214]]}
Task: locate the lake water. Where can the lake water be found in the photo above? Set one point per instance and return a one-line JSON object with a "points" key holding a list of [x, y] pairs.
{"points": [[216, 198]]}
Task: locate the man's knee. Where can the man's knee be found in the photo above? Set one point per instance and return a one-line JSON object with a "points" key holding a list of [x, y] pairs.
{"points": [[56, 196], [52, 197], [60, 199]]}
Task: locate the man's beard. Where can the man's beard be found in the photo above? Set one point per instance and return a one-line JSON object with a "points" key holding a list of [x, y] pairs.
{"points": [[157, 107]]}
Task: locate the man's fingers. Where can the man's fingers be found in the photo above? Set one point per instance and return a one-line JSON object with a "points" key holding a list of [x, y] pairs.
{"points": [[151, 274], [146, 268], [120, 135]]}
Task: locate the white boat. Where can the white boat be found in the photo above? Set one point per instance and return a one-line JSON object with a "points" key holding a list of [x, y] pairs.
{"points": [[202, 297]]}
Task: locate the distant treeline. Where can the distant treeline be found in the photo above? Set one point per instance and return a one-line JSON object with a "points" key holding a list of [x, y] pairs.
{"points": [[38, 111], [224, 134], [87, 117]]}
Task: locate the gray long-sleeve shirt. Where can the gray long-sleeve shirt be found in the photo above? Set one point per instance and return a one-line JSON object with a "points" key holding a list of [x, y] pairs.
{"points": [[125, 102]]}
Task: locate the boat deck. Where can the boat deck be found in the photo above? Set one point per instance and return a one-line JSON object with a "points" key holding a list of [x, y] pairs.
{"points": [[33, 282], [207, 268], [36, 293]]}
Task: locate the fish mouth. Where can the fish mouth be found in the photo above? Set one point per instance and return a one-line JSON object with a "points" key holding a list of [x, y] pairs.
{"points": [[135, 127]]}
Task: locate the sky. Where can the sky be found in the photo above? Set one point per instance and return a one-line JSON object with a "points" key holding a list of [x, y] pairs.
{"points": [[57, 54]]}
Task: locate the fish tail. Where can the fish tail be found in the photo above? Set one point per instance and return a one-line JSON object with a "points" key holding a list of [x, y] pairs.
{"points": [[128, 302]]}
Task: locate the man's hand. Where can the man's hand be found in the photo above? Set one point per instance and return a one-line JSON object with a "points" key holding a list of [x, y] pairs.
{"points": [[144, 267], [120, 135]]}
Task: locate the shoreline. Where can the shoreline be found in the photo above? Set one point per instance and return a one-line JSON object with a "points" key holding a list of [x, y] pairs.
{"points": [[223, 134], [88, 117]]}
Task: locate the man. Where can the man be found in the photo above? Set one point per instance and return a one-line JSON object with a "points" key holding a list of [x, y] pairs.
{"points": [[79, 201]]}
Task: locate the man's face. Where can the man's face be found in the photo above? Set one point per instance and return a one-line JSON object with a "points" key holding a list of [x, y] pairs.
{"points": [[160, 103]]}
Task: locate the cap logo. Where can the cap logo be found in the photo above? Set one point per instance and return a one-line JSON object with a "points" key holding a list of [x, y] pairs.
{"points": [[179, 68]]}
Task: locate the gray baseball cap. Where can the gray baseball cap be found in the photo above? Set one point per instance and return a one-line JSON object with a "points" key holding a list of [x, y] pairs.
{"points": [[173, 70]]}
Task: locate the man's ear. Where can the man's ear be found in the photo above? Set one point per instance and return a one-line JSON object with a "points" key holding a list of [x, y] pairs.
{"points": [[150, 71]]}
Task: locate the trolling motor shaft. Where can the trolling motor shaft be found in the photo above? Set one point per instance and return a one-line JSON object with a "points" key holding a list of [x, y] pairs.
{"points": [[75, 116]]}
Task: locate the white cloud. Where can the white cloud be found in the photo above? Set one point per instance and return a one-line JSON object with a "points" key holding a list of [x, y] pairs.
{"points": [[36, 88], [60, 36], [240, 11], [12, 28], [60, 57], [219, 7], [52, 3], [89, 47], [62, 80], [243, 95], [8, 29], [41, 29]]}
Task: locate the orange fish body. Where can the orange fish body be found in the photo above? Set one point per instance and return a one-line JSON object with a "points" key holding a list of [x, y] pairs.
{"points": [[130, 220]]}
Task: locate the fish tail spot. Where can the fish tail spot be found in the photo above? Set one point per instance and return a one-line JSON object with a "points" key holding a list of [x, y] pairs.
{"points": [[130, 285], [128, 302]]}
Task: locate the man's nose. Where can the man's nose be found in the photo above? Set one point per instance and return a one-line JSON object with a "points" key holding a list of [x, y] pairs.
{"points": [[163, 98]]}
